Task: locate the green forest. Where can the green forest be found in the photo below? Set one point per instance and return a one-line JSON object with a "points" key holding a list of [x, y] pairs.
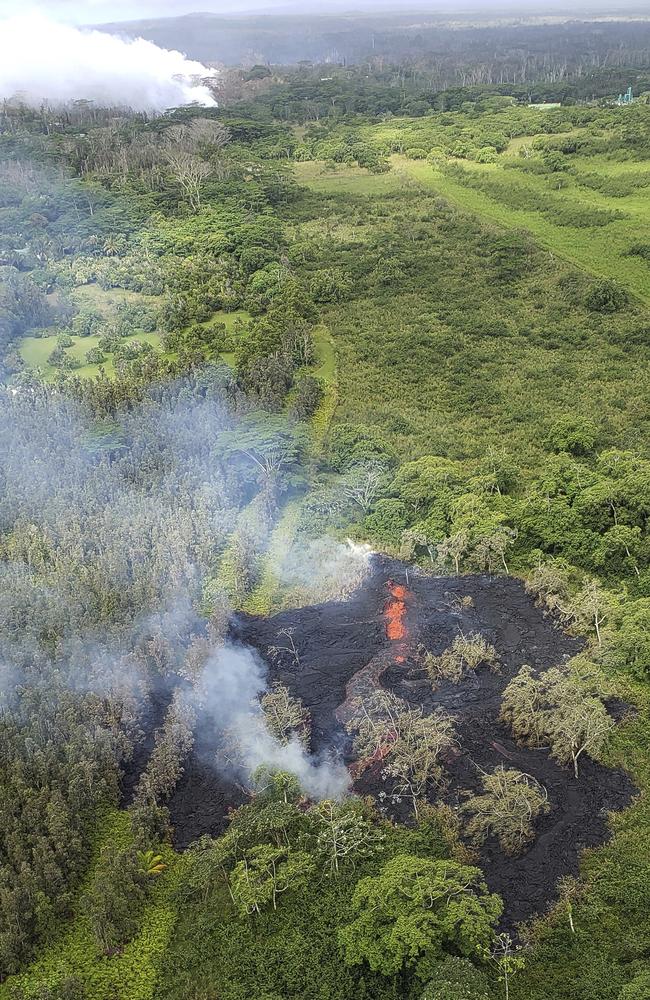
{"points": [[252, 357]]}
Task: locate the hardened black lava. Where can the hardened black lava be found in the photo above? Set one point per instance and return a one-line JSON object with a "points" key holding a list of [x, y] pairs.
{"points": [[335, 641]]}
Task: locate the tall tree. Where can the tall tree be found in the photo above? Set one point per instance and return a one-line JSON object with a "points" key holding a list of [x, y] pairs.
{"points": [[416, 907]]}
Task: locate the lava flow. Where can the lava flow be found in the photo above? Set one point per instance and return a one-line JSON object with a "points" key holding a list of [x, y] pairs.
{"points": [[395, 614], [357, 767]]}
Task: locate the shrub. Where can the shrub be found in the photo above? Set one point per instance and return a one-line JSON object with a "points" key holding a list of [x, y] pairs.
{"points": [[638, 989], [416, 153], [486, 155], [606, 297], [465, 655], [110, 342], [58, 358], [577, 435], [638, 250], [85, 324], [95, 356], [506, 808]]}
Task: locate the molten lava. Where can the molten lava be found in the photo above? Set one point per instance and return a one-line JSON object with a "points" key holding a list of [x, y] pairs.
{"points": [[358, 767], [395, 611]]}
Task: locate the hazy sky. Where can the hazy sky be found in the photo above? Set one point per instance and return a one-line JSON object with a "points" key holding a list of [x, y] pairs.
{"points": [[103, 11], [98, 11]]}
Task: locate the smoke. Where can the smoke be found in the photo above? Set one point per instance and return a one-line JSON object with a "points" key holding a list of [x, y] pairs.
{"points": [[233, 679], [44, 60], [10, 678], [323, 569], [109, 551]]}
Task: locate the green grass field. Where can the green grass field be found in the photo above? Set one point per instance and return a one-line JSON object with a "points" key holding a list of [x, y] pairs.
{"points": [[589, 210], [106, 300], [344, 179], [597, 250], [36, 350]]}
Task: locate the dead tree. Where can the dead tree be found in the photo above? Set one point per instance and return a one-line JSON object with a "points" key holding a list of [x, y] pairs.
{"points": [[409, 742]]}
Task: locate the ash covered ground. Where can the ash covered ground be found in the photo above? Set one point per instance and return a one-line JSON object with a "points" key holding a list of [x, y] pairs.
{"points": [[347, 647]]}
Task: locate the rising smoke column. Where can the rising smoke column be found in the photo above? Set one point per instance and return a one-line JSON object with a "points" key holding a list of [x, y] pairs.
{"points": [[233, 679], [44, 60]]}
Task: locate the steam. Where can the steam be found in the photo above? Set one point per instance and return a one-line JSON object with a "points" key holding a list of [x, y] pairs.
{"points": [[324, 569], [44, 60], [233, 679]]}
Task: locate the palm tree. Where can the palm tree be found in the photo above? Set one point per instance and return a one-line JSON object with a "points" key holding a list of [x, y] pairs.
{"points": [[151, 863]]}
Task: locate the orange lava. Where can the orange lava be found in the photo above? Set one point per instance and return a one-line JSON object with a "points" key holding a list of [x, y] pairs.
{"points": [[395, 611], [359, 766]]}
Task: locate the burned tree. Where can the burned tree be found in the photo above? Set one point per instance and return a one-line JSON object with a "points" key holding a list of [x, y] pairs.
{"points": [[465, 655], [410, 743], [507, 807], [286, 718], [559, 709], [285, 635]]}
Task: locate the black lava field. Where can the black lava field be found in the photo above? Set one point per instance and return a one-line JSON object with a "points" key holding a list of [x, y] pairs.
{"points": [[344, 648]]}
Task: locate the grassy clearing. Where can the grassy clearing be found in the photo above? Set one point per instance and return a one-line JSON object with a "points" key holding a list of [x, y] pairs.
{"points": [[232, 322], [343, 179], [106, 300], [264, 598], [36, 350], [566, 211], [598, 251], [520, 141], [326, 371], [261, 601], [490, 336], [228, 319]]}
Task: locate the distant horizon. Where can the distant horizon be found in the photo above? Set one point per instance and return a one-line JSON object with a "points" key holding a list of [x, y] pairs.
{"points": [[97, 13], [523, 9]]}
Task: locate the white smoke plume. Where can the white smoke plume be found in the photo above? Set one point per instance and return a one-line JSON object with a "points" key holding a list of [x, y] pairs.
{"points": [[42, 60], [324, 569], [232, 681]]}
